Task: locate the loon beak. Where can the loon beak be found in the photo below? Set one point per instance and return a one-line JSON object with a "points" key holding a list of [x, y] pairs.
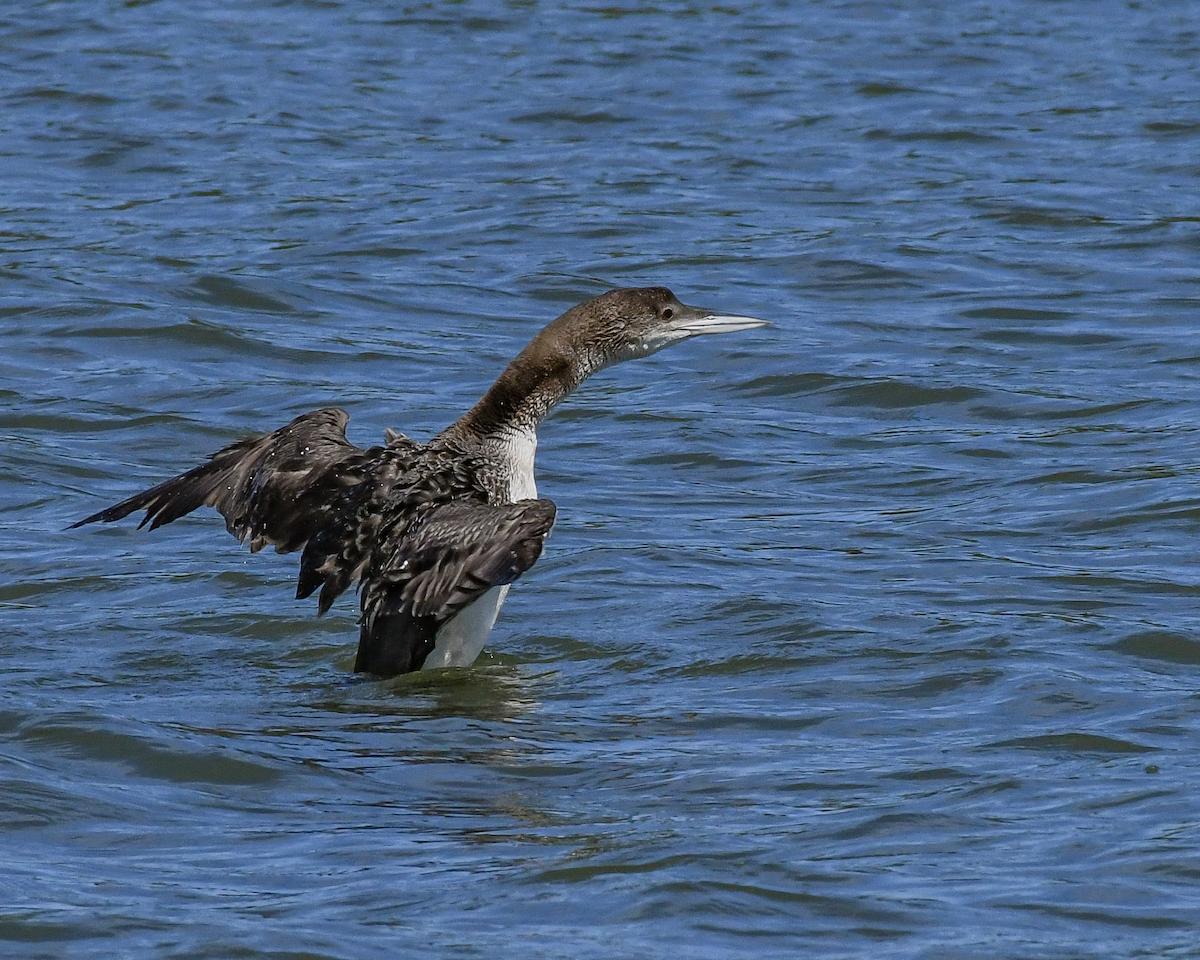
{"points": [[692, 322]]}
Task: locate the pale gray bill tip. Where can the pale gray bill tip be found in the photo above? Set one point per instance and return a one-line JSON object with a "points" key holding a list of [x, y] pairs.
{"points": [[721, 323]]}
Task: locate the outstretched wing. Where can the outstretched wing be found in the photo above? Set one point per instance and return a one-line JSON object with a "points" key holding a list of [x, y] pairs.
{"points": [[285, 488], [263, 486], [437, 568]]}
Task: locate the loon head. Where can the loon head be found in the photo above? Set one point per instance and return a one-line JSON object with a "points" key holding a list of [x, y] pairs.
{"points": [[616, 326], [630, 323]]}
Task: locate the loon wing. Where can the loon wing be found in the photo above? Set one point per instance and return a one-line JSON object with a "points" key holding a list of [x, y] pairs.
{"points": [[263, 486], [438, 568], [283, 489]]}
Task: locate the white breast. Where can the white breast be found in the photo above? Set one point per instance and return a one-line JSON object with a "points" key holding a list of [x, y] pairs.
{"points": [[461, 639], [520, 446]]}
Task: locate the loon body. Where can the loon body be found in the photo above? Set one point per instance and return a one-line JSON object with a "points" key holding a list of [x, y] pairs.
{"points": [[434, 533]]}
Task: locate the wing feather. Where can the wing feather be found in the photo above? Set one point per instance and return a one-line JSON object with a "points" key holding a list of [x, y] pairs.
{"points": [[303, 486], [437, 567], [261, 485]]}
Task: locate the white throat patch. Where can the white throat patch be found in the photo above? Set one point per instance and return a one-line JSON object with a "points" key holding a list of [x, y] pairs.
{"points": [[520, 446]]}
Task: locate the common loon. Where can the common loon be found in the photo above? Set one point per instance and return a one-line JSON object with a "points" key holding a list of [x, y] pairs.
{"points": [[433, 533]]}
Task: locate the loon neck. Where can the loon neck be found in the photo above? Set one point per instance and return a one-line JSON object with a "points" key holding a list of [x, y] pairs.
{"points": [[536, 381]]}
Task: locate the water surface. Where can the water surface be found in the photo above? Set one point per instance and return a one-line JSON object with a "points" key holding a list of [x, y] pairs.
{"points": [[877, 631]]}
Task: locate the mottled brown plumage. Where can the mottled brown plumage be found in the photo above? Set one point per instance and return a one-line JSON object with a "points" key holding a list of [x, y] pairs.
{"points": [[426, 530]]}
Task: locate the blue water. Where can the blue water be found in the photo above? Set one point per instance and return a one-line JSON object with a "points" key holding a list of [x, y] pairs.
{"points": [[875, 632]]}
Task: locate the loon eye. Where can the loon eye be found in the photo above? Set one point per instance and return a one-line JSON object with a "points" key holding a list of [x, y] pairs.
{"points": [[667, 313]]}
